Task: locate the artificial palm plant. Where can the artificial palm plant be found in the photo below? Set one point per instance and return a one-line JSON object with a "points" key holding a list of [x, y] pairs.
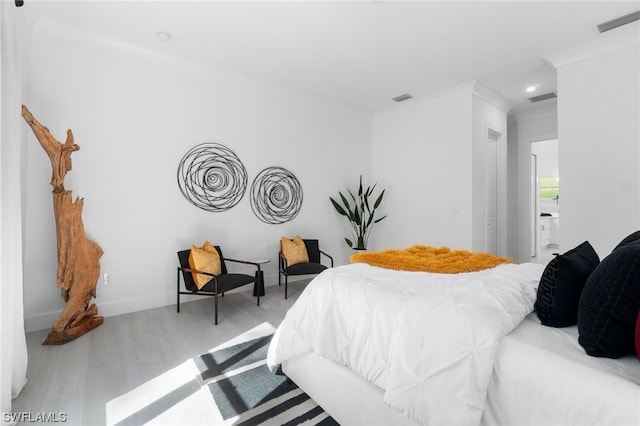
{"points": [[361, 214]]}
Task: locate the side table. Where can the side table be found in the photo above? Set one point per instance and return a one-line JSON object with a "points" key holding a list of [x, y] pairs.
{"points": [[258, 286]]}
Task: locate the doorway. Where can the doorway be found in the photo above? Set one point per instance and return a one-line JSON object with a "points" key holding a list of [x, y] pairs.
{"points": [[545, 200]]}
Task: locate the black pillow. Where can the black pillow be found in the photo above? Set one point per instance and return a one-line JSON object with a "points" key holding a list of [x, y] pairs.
{"points": [[629, 239], [609, 304], [561, 285]]}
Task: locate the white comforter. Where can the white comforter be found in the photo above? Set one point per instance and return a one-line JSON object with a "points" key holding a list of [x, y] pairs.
{"points": [[428, 340]]}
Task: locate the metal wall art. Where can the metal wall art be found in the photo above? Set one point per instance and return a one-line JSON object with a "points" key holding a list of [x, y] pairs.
{"points": [[276, 195], [212, 177]]}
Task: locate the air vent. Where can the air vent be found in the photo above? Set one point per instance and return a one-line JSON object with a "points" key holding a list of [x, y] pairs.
{"points": [[618, 22], [546, 96], [401, 98]]}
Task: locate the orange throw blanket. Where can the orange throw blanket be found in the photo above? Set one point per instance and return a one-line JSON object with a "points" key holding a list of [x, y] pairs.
{"points": [[430, 259]]}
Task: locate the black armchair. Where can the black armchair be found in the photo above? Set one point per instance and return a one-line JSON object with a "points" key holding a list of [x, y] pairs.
{"points": [[312, 267], [218, 284]]}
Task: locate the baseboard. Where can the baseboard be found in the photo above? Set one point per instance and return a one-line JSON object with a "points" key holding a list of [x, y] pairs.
{"points": [[40, 321], [106, 309], [45, 321]]}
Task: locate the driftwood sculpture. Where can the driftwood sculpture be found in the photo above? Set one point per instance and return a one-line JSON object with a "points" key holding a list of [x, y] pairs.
{"points": [[78, 257]]}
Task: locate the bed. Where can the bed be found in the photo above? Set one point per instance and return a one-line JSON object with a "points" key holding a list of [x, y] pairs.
{"points": [[378, 346]]}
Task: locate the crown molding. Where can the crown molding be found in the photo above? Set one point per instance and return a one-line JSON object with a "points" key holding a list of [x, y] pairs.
{"points": [[46, 25], [426, 101], [606, 43], [469, 89], [491, 97], [535, 112]]}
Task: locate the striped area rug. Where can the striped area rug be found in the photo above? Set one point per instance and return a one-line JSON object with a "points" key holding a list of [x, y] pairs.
{"points": [[246, 392]]}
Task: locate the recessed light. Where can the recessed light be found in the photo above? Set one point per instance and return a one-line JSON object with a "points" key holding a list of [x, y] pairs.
{"points": [[532, 88], [164, 37]]}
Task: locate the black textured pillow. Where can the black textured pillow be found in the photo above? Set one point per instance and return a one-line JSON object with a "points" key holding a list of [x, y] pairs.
{"points": [[561, 285], [631, 238], [609, 304]]}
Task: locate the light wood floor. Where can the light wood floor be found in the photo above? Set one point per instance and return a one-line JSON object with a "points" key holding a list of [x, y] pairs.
{"points": [[79, 378]]}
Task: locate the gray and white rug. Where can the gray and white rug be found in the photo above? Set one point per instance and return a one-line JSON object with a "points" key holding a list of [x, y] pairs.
{"points": [[229, 385], [247, 393]]}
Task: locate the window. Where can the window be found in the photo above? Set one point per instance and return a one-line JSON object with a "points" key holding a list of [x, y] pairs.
{"points": [[549, 187]]}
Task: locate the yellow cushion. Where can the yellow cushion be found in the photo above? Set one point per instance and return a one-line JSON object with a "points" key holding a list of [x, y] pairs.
{"points": [[204, 259], [207, 246], [294, 251]]}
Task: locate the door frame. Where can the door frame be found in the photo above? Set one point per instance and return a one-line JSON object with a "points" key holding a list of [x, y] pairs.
{"points": [[498, 135], [534, 201]]}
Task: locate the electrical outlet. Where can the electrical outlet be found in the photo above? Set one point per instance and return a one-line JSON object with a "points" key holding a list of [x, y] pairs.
{"points": [[106, 279]]}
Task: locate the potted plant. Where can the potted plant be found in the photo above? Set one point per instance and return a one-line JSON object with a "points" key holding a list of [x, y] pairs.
{"points": [[361, 214]]}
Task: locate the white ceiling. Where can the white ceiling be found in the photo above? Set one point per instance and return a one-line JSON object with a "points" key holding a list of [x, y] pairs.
{"points": [[358, 53]]}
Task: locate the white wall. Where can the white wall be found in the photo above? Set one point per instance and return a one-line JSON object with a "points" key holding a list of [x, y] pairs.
{"points": [[547, 153], [421, 153], [135, 114], [429, 153], [599, 145]]}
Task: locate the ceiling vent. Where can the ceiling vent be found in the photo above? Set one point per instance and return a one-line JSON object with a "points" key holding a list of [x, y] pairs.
{"points": [[546, 96], [618, 22], [401, 98]]}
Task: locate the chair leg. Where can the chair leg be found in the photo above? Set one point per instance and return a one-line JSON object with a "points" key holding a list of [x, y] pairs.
{"points": [[178, 291], [216, 309], [286, 285], [258, 284]]}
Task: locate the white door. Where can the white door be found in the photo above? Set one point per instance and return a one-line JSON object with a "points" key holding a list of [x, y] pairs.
{"points": [[492, 193]]}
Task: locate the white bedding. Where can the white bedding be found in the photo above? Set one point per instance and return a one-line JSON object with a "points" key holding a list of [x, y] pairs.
{"points": [[542, 376], [380, 323]]}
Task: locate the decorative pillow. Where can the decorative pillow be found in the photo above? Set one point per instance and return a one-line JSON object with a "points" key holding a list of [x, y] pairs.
{"points": [[561, 285], [204, 259], [608, 310], [207, 246], [629, 239], [294, 251]]}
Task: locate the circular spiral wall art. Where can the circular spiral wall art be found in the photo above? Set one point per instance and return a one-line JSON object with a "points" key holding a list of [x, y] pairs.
{"points": [[212, 177], [276, 195]]}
